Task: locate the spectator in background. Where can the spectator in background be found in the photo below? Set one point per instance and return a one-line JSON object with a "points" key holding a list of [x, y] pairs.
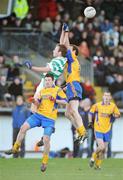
{"points": [[19, 114], [84, 50], [3, 67], [77, 33], [16, 88], [36, 25], [116, 88], [13, 68], [2, 61], [106, 26], [47, 25], [88, 90], [66, 19], [95, 46], [28, 22], [120, 66], [18, 23], [99, 69], [5, 23], [5, 97], [121, 34], [55, 34], [84, 109], [111, 70]]}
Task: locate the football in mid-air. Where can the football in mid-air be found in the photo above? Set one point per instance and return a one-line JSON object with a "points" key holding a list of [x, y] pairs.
{"points": [[90, 12]]}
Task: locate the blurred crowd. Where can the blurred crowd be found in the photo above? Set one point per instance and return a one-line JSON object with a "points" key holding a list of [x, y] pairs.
{"points": [[11, 84]]}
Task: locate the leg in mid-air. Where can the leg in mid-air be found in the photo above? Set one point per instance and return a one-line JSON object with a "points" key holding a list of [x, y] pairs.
{"points": [[74, 90], [46, 142], [31, 122], [76, 119], [21, 135]]}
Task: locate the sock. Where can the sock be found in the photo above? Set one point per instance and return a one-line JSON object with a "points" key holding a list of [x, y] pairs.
{"points": [[94, 156], [16, 146], [98, 162], [81, 130], [45, 159]]}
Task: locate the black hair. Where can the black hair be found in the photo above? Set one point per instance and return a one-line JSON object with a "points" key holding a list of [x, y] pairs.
{"points": [[75, 48], [49, 75]]}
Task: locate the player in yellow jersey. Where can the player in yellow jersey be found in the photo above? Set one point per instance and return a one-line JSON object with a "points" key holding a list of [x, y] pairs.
{"points": [[103, 113], [50, 97], [73, 90]]}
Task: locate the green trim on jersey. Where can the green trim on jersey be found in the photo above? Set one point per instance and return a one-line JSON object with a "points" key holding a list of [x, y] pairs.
{"points": [[57, 66]]}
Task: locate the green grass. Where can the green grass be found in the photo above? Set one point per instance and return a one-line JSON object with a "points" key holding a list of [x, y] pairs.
{"points": [[59, 169]]}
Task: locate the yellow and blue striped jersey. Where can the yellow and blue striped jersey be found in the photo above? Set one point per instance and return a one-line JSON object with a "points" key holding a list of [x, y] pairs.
{"points": [[72, 68], [103, 115], [47, 107]]}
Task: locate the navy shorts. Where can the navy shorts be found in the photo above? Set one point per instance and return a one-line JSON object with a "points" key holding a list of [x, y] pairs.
{"points": [[74, 91]]}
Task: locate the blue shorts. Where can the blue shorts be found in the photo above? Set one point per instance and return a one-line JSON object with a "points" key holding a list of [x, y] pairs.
{"points": [[38, 120], [106, 137], [74, 91]]}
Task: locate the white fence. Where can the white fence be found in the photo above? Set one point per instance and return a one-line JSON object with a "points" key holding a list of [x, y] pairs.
{"points": [[60, 139]]}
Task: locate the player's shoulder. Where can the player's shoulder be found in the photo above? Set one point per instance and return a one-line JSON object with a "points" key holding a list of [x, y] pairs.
{"points": [[58, 89], [98, 104], [112, 104]]}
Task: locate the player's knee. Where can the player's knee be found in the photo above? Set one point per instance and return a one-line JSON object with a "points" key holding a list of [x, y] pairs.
{"points": [[67, 114], [102, 147], [46, 139], [23, 129], [73, 111]]}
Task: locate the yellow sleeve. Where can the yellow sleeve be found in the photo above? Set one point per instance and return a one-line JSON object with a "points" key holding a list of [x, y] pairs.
{"points": [[73, 56], [93, 109], [116, 111], [39, 95], [61, 94]]}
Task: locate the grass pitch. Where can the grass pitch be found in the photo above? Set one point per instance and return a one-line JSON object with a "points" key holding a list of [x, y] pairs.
{"points": [[59, 169]]}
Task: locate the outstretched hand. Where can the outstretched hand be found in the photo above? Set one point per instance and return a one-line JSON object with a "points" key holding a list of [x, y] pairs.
{"points": [[28, 64], [65, 27]]}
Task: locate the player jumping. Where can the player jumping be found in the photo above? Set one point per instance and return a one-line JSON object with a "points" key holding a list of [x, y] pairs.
{"points": [[73, 88]]}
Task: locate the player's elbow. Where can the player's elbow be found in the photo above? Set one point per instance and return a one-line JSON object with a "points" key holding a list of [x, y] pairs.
{"points": [[102, 147], [47, 69]]}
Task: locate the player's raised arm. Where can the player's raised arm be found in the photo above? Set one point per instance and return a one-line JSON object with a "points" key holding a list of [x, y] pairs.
{"points": [[66, 41], [44, 69], [62, 35]]}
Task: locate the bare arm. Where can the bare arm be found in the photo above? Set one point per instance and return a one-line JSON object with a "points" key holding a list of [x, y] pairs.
{"points": [[66, 40], [41, 69], [116, 115], [61, 101], [62, 36]]}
